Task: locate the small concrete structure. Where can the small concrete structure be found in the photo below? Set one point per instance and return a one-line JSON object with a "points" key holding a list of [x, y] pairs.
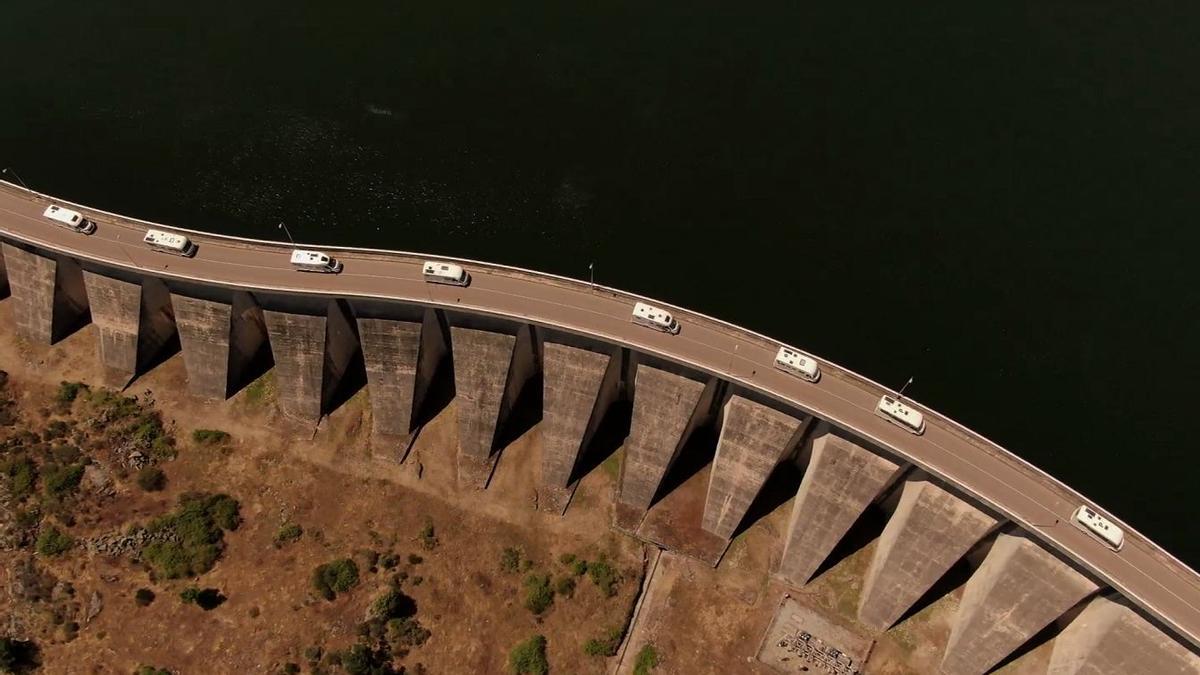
{"points": [[1110, 638], [930, 530], [135, 321], [667, 408], [312, 354], [578, 387], [391, 350], [843, 478], [1017, 591], [219, 341], [490, 370], [49, 299], [753, 439]]}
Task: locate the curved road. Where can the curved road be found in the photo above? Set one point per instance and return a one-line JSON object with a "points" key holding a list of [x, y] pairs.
{"points": [[1142, 571]]}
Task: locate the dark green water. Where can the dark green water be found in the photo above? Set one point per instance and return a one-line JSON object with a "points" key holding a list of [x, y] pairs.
{"points": [[997, 198]]}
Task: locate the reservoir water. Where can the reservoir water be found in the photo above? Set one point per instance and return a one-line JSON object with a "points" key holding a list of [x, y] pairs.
{"points": [[996, 198]]}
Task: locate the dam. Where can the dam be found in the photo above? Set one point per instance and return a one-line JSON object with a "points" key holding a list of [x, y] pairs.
{"points": [[238, 304]]}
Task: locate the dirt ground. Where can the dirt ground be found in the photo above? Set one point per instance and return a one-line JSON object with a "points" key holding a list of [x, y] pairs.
{"points": [[349, 497]]}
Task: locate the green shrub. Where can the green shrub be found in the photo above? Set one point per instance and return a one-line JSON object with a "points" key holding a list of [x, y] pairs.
{"points": [[17, 656], [363, 660], [565, 587], [606, 645], [335, 577], [68, 392], [414, 559], [288, 533], [406, 632], [151, 478], [52, 542], [579, 568], [207, 599], [538, 594], [510, 560], [209, 436], [143, 597], [22, 473], [647, 660], [188, 595], [428, 537], [605, 576], [566, 558], [393, 605], [529, 657], [389, 561], [197, 529], [60, 480]]}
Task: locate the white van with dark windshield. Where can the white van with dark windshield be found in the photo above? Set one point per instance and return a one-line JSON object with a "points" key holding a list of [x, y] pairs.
{"points": [[72, 220], [1098, 526], [315, 261], [801, 365], [905, 417], [445, 273], [653, 317], [170, 242]]}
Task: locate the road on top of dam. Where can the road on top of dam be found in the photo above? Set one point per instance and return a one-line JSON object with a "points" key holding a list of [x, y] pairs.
{"points": [[1146, 574]]}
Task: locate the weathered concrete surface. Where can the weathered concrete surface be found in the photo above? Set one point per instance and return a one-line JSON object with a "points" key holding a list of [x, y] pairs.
{"points": [[312, 354], [135, 323], [391, 350], [1110, 638], [841, 481], [930, 530], [490, 370], [578, 386], [49, 299], [218, 341], [3, 277], [753, 439], [1017, 591], [666, 407]]}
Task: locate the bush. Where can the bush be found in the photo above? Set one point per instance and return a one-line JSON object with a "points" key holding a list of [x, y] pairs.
{"points": [[22, 473], [288, 533], [17, 656], [363, 660], [68, 392], [209, 436], [207, 599], [60, 480], [335, 577], [151, 478], [510, 560], [538, 594], [52, 542], [428, 538], [606, 645], [529, 657], [143, 597], [565, 587], [414, 559], [393, 605], [406, 632], [197, 527], [579, 568], [566, 558], [605, 576], [647, 660]]}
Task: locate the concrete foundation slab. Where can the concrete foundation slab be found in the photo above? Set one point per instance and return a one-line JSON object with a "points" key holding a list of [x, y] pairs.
{"points": [[930, 530], [1017, 591], [578, 386], [1110, 638], [666, 409], [753, 439]]}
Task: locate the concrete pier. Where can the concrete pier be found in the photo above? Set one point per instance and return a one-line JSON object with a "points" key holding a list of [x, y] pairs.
{"points": [[49, 299], [219, 340], [753, 439], [3, 277], [391, 350], [135, 322], [1110, 638], [312, 353], [666, 409], [843, 478], [1017, 591], [578, 386], [930, 530], [490, 370]]}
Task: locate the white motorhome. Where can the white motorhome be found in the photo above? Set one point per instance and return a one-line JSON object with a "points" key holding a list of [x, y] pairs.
{"points": [[1098, 526], [315, 261], [72, 220], [170, 242], [894, 411], [801, 365], [653, 317], [445, 273]]}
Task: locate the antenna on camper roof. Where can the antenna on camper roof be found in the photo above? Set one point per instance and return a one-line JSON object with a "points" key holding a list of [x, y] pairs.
{"points": [[8, 170], [900, 394]]}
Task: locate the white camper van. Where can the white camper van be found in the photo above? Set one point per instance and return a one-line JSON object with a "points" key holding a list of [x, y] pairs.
{"points": [[1098, 526], [653, 317], [894, 411], [445, 273], [801, 365], [72, 220], [315, 261], [170, 242]]}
